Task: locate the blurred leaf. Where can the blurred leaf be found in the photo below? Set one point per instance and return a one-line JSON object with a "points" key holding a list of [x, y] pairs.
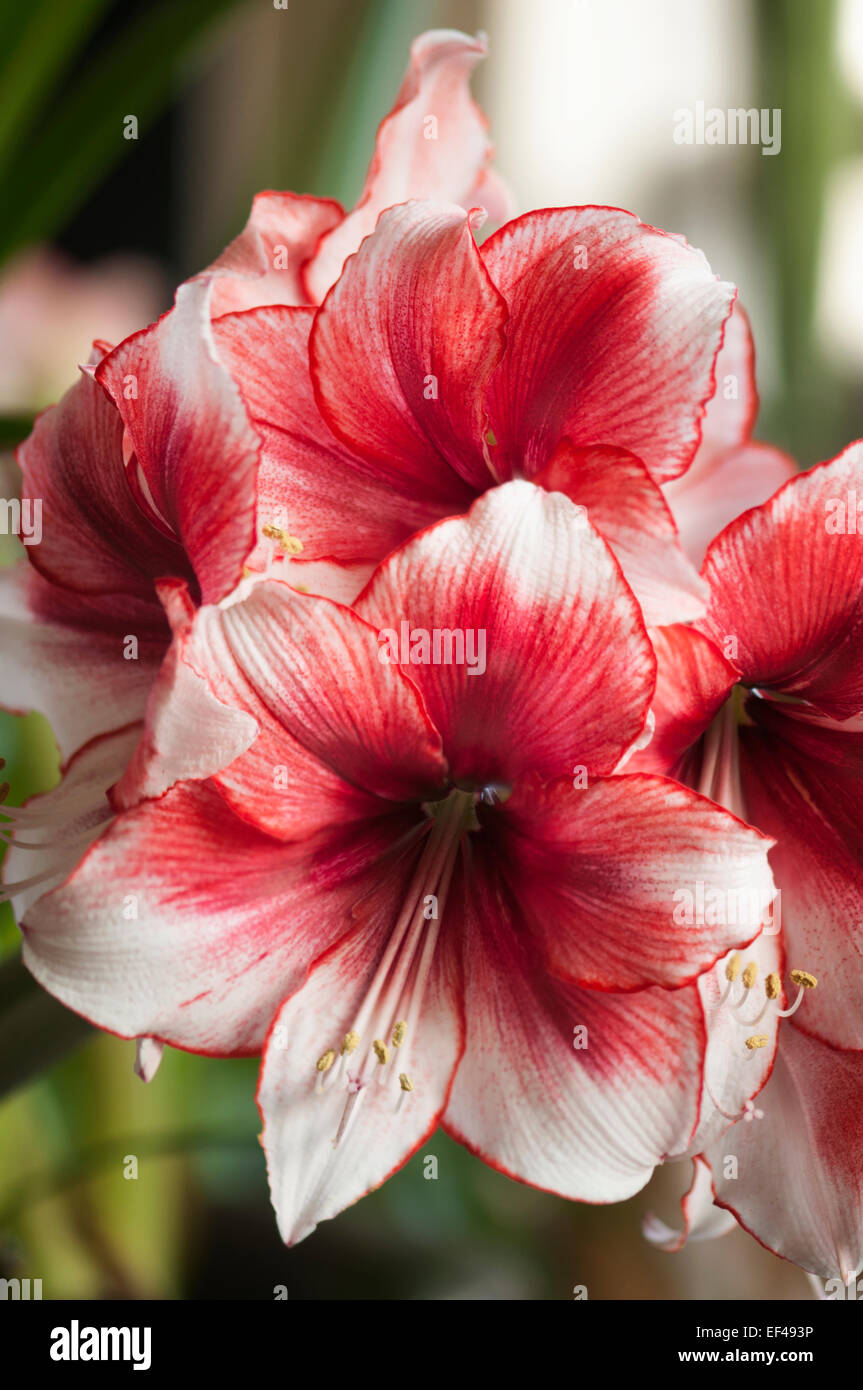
{"points": [[52, 174], [35, 1031], [13, 429], [35, 52]]}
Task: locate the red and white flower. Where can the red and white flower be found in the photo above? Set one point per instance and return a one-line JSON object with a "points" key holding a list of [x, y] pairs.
{"points": [[145, 473], [400, 888], [575, 348], [762, 709]]}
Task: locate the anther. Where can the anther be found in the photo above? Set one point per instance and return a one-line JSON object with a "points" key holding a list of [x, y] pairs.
{"points": [[732, 969], [350, 1043], [381, 1051], [772, 985], [804, 979], [757, 1041], [399, 1031], [405, 1082], [750, 975], [326, 1059], [288, 543]]}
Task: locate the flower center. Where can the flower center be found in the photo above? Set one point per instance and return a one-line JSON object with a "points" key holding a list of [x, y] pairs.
{"points": [[386, 1021]]}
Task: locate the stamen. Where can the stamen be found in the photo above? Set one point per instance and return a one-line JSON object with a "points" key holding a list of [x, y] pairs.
{"points": [[400, 976], [355, 1089], [11, 890], [748, 979], [772, 990], [756, 1042], [803, 980], [288, 543], [732, 970], [325, 1061]]}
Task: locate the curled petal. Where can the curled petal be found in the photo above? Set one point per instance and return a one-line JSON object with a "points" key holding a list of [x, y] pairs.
{"points": [[702, 1220], [433, 144]]}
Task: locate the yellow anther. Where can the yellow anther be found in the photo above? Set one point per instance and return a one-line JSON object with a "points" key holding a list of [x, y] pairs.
{"points": [[772, 985], [399, 1031], [381, 1051], [804, 979], [757, 1040], [350, 1043], [288, 543], [732, 969], [750, 975], [325, 1061], [405, 1082]]}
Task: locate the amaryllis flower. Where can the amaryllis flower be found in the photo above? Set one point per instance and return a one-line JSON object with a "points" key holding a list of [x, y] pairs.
{"points": [[763, 711], [402, 887], [433, 144], [144, 473], [575, 348]]}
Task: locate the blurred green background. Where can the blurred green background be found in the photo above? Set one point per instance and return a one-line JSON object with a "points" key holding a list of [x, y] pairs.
{"points": [[234, 97]]}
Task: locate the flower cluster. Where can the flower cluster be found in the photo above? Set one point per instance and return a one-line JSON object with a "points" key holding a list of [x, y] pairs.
{"points": [[409, 744]]}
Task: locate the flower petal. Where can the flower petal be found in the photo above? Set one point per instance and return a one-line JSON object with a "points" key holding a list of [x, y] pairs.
{"points": [[733, 1072], [264, 264], [633, 880], [191, 438], [54, 830], [813, 807], [433, 144], [613, 333], [578, 1091], [404, 344], [554, 629], [719, 487], [798, 1184], [628, 509], [186, 924], [95, 538], [188, 734], [789, 585], [732, 409], [338, 730], [311, 1177], [65, 656], [702, 1219], [693, 681], [337, 503]]}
